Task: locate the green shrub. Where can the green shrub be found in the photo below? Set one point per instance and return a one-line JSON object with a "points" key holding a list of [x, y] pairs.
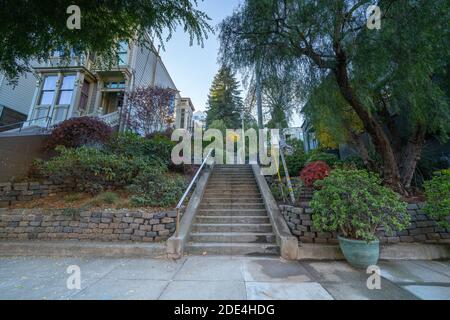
{"points": [[129, 144], [437, 191], [351, 162], [157, 148], [355, 203], [296, 161], [93, 168], [154, 187], [160, 146], [73, 197], [328, 158], [276, 186], [105, 198]]}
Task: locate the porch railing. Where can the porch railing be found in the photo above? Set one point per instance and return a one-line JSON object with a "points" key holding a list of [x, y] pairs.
{"points": [[188, 190], [111, 119], [20, 125]]}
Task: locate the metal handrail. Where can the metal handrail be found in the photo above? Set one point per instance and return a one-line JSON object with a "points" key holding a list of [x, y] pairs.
{"points": [[23, 122], [183, 198]]}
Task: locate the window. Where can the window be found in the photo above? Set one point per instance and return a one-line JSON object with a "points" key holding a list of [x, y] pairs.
{"points": [[84, 96], [115, 84], [123, 53], [66, 91], [182, 115], [171, 105], [48, 90]]}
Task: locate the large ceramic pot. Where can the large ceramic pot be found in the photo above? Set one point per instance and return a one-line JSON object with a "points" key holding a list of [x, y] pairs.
{"points": [[359, 253]]}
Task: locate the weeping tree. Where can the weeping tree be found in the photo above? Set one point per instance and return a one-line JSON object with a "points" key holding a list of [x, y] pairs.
{"points": [[30, 30], [382, 75], [279, 97]]}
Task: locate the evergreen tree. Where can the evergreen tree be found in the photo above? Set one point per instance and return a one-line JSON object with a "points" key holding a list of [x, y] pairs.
{"points": [[224, 100]]}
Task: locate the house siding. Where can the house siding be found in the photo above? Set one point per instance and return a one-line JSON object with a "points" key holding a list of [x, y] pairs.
{"points": [[143, 68], [18, 97]]}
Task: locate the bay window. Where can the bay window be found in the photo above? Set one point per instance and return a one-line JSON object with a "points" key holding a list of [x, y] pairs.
{"points": [[123, 53], [55, 98], [64, 98]]}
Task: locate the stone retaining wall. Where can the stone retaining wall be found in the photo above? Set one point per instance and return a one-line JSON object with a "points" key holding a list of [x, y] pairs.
{"points": [[421, 229], [76, 224], [12, 193]]}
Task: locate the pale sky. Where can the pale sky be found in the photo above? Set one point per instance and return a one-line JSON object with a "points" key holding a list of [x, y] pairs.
{"points": [[193, 68]]}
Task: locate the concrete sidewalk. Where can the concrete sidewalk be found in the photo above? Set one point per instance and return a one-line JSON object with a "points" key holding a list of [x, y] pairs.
{"points": [[218, 277]]}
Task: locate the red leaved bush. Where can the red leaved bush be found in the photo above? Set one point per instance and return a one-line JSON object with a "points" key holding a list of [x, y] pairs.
{"points": [[77, 132], [314, 171]]}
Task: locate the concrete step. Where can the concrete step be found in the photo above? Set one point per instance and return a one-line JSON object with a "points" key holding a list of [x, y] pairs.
{"points": [[231, 227], [232, 174], [251, 249], [231, 182], [237, 196], [237, 173], [232, 219], [238, 206], [226, 183], [233, 179], [232, 166], [232, 237], [233, 212], [232, 194], [237, 187], [211, 200]]}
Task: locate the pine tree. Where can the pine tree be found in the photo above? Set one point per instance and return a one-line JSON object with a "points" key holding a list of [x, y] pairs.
{"points": [[224, 100]]}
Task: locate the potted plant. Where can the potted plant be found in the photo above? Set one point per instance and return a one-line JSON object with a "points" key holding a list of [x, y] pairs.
{"points": [[355, 204]]}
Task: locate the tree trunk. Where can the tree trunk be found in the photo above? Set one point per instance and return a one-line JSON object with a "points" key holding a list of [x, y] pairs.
{"points": [[390, 169], [357, 140], [411, 155]]}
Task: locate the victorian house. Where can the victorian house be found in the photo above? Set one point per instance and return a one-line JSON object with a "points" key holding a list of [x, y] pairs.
{"points": [[75, 86]]}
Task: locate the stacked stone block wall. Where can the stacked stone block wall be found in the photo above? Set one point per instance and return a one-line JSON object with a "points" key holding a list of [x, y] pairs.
{"points": [[12, 193], [75, 224], [421, 229]]}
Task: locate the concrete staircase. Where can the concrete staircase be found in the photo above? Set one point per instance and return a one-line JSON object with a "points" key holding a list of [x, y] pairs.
{"points": [[232, 218]]}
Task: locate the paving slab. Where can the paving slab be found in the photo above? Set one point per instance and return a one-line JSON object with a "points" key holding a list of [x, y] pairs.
{"points": [[218, 277], [286, 291], [275, 270], [335, 271], [205, 290], [211, 268], [430, 292], [436, 266], [108, 289], [409, 272], [35, 288], [359, 291], [146, 269]]}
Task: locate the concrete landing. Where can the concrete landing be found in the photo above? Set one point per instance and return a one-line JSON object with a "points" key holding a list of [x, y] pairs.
{"points": [[218, 277]]}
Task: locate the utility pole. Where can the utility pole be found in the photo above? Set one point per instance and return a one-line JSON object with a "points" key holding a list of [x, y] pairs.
{"points": [[259, 95], [283, 146]]}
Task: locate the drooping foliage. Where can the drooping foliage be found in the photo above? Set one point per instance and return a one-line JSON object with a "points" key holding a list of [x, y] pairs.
{"points": [[388, 78], [30, 30]]}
